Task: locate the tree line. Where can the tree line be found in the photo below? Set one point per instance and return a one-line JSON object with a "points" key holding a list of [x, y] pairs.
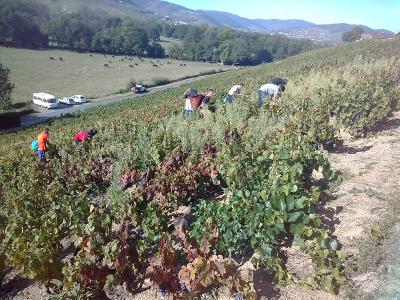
{"points": [[25, 23], [231, 47]]}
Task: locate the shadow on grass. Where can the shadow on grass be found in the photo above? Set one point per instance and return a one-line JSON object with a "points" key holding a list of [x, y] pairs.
{"points": [[350, 150], [16, 284], [30, 120], [328, 215], [264, 286], [385, 125], [19, 105]]}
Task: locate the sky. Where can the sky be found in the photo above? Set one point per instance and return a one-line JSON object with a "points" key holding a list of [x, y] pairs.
{"points": [[377, 14]]}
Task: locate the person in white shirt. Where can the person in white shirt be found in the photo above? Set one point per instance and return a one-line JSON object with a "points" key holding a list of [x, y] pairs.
{"points": [[271, 90], [188, 108], [233, 93]]}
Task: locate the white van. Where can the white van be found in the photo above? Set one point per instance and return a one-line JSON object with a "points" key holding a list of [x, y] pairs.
{"points": [[45, 100]]}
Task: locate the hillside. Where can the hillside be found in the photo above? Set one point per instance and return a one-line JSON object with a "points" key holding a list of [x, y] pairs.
{"points": [[94, 28], [111, 7], [164, 10], [291, 28], [233, 196]]}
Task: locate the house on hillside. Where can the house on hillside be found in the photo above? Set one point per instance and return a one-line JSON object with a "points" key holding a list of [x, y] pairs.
{"points": [[377, 36], [366, 36], [383, 36]]}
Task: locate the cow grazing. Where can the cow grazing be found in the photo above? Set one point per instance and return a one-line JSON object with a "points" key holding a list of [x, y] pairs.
{"points": [[136, 64], [106, 66], [60, 58], [91, 55], [130, 66], [52, 58], [112, 56]]}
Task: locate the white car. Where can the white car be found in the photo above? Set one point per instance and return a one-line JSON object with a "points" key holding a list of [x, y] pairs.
{"points": [[66, 100], [79, 98]]}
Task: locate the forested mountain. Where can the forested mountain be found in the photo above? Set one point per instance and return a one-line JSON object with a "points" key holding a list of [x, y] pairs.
{"points": [[292, 28], [179, 14], [134, 27], [69, 25]]}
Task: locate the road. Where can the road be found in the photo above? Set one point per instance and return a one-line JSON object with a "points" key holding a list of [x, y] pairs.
{"points": [[43, 114]]}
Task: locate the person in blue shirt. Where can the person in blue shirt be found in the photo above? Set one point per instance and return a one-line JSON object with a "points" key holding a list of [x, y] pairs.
{"points": [[35, 145]]}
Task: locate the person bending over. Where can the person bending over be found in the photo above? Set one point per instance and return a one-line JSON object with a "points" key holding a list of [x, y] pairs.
{"points": [[270, 91]]}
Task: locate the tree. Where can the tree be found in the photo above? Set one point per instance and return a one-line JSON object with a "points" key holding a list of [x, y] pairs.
{"points": [[180, 31], [168, 29], [156, 50], [210, 43], [20, 22], [352, 35], [192, 43], [175, 52], [6, 88], [154, 32], [226, 38]]}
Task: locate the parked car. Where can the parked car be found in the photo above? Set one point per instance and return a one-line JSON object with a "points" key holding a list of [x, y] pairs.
{"points": [[66, 100], [137, 88], [79, 98]]}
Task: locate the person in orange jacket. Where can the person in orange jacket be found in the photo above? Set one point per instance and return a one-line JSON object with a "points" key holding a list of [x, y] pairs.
{"points": [[43, 140]]}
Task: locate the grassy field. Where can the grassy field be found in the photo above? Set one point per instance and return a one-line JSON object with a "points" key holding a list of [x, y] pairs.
{"points": [[79, 73]]}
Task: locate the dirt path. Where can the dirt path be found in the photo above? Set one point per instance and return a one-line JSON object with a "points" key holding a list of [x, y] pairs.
{"points": [[366, 204], [363, 213]]}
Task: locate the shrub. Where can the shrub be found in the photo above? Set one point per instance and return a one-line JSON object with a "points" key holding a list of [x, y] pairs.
{"points": [[160, 81], [10, 120], [6, 88]]}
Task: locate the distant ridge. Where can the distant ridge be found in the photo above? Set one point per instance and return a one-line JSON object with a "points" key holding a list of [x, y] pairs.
{"points": [[180, 14]]}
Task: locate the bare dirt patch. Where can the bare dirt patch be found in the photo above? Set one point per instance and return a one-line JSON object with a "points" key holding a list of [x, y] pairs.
{"points": [[366, 203], [361, 213]]}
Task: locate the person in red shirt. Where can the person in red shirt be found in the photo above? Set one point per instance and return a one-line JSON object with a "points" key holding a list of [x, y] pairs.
{"points": [[43, 140], [84, 135]]}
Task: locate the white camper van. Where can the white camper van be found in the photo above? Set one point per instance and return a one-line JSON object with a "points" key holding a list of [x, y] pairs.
{"points": [[45, 100]]}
